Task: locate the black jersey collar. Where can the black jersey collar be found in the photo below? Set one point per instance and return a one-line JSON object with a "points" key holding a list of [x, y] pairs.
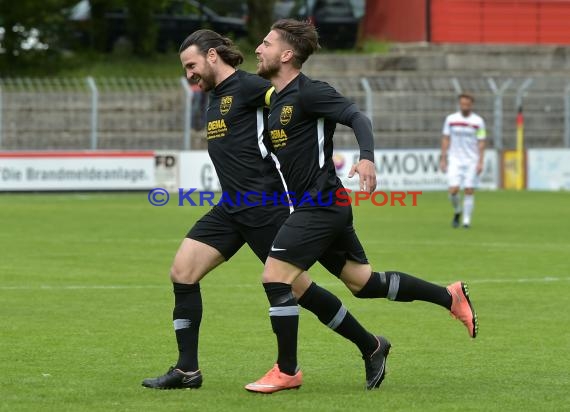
{"points": [[228, 79]]}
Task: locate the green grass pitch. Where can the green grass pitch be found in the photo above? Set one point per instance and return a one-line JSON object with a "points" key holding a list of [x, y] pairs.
{"points": [[85, 310]]}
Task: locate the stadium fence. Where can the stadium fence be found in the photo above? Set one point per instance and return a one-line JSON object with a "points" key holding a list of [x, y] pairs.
{"points": [[407, 111]]}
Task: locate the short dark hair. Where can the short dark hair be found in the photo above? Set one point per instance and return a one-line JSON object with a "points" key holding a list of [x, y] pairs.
{"points": [[207, 39], [301, 35], [466, 95]]}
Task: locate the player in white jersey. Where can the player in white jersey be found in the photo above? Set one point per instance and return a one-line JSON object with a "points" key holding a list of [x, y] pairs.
{"points": [[462, 152]]}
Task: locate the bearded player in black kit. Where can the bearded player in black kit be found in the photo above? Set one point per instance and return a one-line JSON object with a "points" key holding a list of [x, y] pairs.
{"points": [[302, 118]]}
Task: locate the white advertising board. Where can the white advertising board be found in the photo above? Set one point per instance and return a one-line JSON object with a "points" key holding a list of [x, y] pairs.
{"points": [[548, 169], [396, 170], [415, 169], [196, 170], [166, 172], [97, 170]]}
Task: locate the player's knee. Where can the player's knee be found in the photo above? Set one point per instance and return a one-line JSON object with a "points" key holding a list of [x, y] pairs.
{"points": [[469, 191], [355, 275], [352, 284], [268, 276], [298, 290], [453, 190], [278, 274], [301, 285], [354, 289], [176, 275], [180, 274]]}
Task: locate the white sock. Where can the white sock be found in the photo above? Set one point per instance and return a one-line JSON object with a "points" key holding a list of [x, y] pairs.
{"points": [[468, 206], [455, 202]]}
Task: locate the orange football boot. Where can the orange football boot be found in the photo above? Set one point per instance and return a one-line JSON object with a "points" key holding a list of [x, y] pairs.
{"points": [[275, 380], [461, 307]]}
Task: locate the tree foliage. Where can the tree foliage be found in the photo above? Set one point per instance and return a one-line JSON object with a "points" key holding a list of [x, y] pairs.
{"points": [[50, 20], [18, 19], [141, 25], [260, 19], [98, 24]]}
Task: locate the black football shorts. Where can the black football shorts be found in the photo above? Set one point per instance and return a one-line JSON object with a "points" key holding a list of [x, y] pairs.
{"points": [[323, 234], [228, 232]]}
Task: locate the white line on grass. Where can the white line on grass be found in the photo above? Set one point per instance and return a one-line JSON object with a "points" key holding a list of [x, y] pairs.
{"points": [[548, 279], [491, 245], [498, 245], [81, 287]]}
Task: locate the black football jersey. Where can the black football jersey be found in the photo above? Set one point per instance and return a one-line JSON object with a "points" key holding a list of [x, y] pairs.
{"points": [[302, 120], [235, 133]]}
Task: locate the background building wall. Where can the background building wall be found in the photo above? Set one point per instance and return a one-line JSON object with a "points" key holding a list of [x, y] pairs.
{"points": [[469, 21], [396, 20], [500, 21]]}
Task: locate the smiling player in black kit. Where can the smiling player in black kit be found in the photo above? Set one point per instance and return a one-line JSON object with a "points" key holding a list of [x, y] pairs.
{"points": [[302, 119]]}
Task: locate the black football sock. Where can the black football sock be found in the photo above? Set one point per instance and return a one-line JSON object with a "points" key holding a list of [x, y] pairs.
{"points": [[284, 315], [187, 315], [331, 312], [402, 287]]}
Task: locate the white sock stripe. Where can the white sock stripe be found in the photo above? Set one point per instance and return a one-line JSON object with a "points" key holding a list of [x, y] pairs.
{"points": [[181, 323], [338, 318], [394, 286], [284, 311]]}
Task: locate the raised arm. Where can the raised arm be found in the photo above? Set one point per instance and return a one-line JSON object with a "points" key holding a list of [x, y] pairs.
{"points": [[365, 168]]}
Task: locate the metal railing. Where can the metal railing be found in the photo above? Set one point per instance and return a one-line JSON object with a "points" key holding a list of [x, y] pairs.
{"points": [[406, 109], [108, 113]]}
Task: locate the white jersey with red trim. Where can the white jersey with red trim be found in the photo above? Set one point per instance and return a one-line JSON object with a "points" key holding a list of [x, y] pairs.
{"points": [[464, 134]]}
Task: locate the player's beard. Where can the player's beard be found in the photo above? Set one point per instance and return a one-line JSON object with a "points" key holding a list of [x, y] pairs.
{"points": [[465, 113], [268, 68], [207, 80]]}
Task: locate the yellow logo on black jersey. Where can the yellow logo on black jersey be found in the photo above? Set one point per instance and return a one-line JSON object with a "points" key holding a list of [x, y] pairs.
{"points": [[226, 104], [278, 138], [216, 129], [286, 114]]}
